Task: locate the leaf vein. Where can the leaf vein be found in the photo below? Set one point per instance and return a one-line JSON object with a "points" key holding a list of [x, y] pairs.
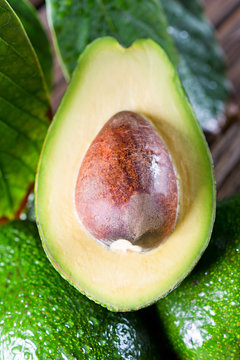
{"points": [[3, 75], [20, 160], [25, 112], [7, 189], [20, 133]]}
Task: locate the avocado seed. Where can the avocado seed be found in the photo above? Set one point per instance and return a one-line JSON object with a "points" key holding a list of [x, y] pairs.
{"points": [[126, 186]]}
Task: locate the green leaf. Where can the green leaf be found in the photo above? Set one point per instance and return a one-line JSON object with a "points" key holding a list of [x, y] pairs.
{"points": [[76, 23], [28, 16], [201, 67], [24, 104], [198, 57]]}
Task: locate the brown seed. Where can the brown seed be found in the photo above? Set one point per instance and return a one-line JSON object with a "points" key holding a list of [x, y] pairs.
{"points": [[126, 184]]}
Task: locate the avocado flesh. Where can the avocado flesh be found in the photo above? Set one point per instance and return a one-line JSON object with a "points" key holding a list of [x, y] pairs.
{"points": [[201, 317], [107, 80], [43, 317]]}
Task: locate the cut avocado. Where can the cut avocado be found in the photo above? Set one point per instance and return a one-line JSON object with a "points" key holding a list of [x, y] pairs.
{"points": [[108, 80], [44, 318], [201, 318]]}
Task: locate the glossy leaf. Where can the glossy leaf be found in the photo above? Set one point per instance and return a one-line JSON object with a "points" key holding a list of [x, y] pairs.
{"points": [[198, 56], [201, 67], [29, 18], [76, 23], [24, 104]]}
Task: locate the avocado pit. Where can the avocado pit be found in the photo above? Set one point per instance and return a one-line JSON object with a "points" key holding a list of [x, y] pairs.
{"points": [[126, 186]]}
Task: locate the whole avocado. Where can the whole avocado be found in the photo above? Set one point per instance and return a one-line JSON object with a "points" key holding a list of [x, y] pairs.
{"points": [[43, 317], [202, 316]]}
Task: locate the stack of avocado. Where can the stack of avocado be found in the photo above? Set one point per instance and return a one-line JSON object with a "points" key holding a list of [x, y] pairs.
{"points": [[202, 316], [43, 317], [125, 208]]}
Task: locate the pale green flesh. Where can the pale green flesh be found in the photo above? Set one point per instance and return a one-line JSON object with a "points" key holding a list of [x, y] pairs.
{"points": [[109, 79]]}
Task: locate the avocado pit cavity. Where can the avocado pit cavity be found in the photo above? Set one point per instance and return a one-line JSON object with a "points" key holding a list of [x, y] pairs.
{"points": [[126, 186]]}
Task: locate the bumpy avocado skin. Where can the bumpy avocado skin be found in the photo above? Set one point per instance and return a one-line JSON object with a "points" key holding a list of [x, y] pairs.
{"points": [[43, 317], [202, 316]]}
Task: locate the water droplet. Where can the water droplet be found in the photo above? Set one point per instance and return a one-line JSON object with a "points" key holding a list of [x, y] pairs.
{"points": [[219, 294], [184, 34], [102, 342], [93, 321], [80, 333], [69, 324], [92, 357], [31, 197], [170, 30], [86, 349]]}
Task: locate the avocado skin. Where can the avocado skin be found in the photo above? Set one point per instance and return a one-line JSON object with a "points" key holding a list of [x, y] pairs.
{"points": [[202, 316], [43, 317]]}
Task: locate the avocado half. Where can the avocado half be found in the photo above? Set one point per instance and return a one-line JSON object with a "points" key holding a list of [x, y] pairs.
{"points": [[109, 79]]}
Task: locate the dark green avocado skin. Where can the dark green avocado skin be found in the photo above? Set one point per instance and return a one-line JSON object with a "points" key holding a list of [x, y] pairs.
{"points": [[202, 316], [43, 317]]}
